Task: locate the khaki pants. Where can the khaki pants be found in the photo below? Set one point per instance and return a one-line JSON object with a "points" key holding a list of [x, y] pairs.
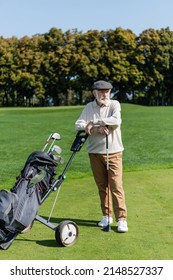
{"points": [[111, 178]]}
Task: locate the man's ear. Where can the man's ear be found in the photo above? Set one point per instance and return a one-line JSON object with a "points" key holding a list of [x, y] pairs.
{"points": [[94, 93]]}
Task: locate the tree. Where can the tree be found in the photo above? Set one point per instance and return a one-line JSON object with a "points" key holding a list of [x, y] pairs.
{"points": [[153, 45], [63, 66], [89, 63], [120, 58]]}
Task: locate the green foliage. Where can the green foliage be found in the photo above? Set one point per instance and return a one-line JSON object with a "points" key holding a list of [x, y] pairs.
{"points": [[62, 66], [148, 162]]}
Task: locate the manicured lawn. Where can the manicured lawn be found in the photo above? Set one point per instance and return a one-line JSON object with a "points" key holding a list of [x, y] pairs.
{"points": [[148, 173]]}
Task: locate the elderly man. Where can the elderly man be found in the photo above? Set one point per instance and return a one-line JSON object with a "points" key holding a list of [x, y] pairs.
{"points": [[101, 119]]}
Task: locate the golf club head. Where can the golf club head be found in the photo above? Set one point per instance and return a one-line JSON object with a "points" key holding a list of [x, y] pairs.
{"points": [[58, 159], [55, 136], [57, 149]]}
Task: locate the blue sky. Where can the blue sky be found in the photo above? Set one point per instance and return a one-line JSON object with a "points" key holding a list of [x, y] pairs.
{"points": [[30, 17]]}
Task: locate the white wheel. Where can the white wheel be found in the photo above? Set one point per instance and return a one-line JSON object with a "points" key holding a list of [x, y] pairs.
{"points": [[66, 233]]}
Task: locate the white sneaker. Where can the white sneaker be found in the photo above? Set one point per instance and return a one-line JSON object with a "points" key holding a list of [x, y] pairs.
{"points": [[122, 226], [104, 221]]}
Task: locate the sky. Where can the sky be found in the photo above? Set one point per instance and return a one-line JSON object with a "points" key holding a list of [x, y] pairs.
{"points": [[30, 17]]}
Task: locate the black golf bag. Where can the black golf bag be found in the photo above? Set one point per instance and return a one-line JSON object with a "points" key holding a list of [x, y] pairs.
{"points": [[19, 206]]}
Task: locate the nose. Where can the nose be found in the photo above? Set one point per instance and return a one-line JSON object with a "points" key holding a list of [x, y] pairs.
{"points": [[105, 93]]}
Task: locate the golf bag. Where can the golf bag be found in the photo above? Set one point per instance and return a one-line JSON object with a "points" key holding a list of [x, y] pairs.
{"points": [[19, 206]]}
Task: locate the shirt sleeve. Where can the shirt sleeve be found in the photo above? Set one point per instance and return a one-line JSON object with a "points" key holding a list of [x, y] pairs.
{"points": [[81, 123]]}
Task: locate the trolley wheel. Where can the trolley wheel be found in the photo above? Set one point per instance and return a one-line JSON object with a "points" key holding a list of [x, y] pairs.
{"points": [[66, 233]]}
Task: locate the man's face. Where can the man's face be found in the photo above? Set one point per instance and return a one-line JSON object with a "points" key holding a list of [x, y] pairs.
{"points": [[102, 95]]}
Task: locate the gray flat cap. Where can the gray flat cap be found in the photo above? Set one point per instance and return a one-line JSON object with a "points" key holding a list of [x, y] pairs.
{"points": [[101, 85]]}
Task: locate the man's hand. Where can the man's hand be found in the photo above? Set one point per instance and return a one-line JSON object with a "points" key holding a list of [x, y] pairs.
{"points": [[103, 130], [88, 128], [100, 129]]}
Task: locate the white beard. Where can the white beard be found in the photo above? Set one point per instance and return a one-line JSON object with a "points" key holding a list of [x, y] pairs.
{"points": [[102, 102]]}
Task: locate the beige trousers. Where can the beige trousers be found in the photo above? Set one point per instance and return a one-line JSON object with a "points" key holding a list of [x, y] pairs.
{"points": [[112, 178]]}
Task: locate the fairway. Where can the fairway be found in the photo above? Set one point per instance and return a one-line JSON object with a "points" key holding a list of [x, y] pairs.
{"points": [[148, 175]]}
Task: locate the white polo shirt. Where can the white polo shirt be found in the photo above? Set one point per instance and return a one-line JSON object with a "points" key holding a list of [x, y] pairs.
{"points": [[110, 115]]}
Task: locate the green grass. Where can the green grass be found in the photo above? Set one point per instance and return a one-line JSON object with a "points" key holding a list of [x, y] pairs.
{"points": [[147, 134], [148, 174]]}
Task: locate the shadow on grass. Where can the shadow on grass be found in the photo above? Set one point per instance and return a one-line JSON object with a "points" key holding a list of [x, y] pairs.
{"points": [[79, 222], [53, 243], [57, 221], [46, 243]]}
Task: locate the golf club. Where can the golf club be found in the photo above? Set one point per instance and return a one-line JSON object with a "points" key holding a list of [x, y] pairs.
{"points": [[58, 159], [47, 142], [107, 228], [57, 149], [51, 136], [55, 136]]}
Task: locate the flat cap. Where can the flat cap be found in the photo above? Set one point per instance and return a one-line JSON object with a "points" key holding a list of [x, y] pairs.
{"points": [[101, 85]]}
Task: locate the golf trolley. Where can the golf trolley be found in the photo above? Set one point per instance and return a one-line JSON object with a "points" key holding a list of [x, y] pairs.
{"points": [[66, 233]]}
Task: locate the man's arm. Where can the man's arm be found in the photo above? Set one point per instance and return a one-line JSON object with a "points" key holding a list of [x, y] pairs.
{"points": [[114, 120]]}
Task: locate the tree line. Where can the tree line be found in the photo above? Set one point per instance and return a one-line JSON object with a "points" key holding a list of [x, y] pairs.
{"points": [[57, 68]]}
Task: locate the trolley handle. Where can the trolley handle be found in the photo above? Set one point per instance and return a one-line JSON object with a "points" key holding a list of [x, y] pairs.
{"points": [[79, 141]]}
